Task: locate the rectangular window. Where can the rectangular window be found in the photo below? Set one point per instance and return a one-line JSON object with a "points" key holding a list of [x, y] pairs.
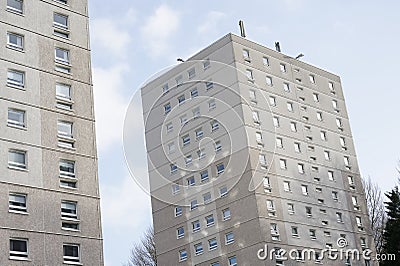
{"points": [[16, 78], [173, 168], [262, 160], [218, 146], [63, 96], [182, 255], [19, 249], [69, 210], [232, 261], [17, 159], [214, 125], [220, 168], [267, 184], [206, 64], [186, 140], [323, 135], [15, 5], [275, 119], [249, 74], [252, 95], [223, 191], [198, 249], [286, 186], [191, 181], [180, 232], [335, 196], [327, 155], [313, 234], [226, 214], [178, 211], [169, 127], [331, 86], [209, 85], [286, 87], [64, 129], [279, 142], [179, 80], [183, 119], [212, 105], [282, 164], [272, 101], [297, 147], [308, 211], [274, 231], [259, 138], [188, 160], [212, 245], [16, 118], [17, 202], [293, 126], [265, 61], [290, 208], [62, 56], [339, 123], [71, 253], [175, 188], [194, 205], [304, 189], [346, 160], [331, 176], [312, 79], [256, 117], [194, 93], [319, 116], [171, 148], [196, 226], [204, 176], [181, 99], [316, 97], [192, 73], [165, 88], [282, 67], [15, 41], [339, 217], [295, 231], [229, 238], [290, 106], [268, 80], [196, 112], [246, 55], [60, 20], [67, 174], [334, 104], [210, 219]]}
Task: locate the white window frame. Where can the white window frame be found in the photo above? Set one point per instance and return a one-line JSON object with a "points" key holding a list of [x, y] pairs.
{"points": [[17, 165], [71, 259], [19, 255], [229, 238], [63, 60], [71, 213], [60, 25], [182, 255], [17, 202], [13, 82], [21, 122], [13, 9], [20, 41]]}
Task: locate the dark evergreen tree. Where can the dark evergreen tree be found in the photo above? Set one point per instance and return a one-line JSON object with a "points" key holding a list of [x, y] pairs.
{"points": [[391, 235]]}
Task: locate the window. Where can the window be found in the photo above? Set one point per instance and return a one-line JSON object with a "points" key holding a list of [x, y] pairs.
{"points": [[271, 208], [180, 232], [339, 123], [69, 210], [71, 253], [173, 168], [218, 146], [210, 219], [175, 188], [64, 129], [304, 189], [358, 221], [256, 117], [204, 176], [229, 238], [16, 118], [181, 99], [295, 231], [171, 148], [279, 142], [60, 20], [209, 85], [167, 108], [63, 96], [165, 88], [194, 93], [290, 106], [300, 167], [274, 231], [223, 191], [350, 179], [346, 160], [17, 159], [327, 155], [339, 217], [267, 184], [232, 261], [293, 126], [276, 121], [297, 147], [220, 168], [249, 74], [312, 234], [265, 61], [194, 205], [323, 135], [207, 198], [312, 79], [196, 226], [286, 87], [282, 164], [183, 119], [259, 138], [319, 116], [283, 68], [15, 5], [252, 95], [182, 255], [286, 186], [191, 181], [15, 41], [272, 101], [186, 140], [206, 63], [188, 159], [17, 202], [169, 127], [308, 211], [268, 80], [178, 211], [316, 97], [226, 214], [16, 78], [331, 86], [196, 112], [331, 176], [179, 80], [67, 174], [212, 244], [342, 141], [214, 125], [192, 73], [19, 249], [62, 55], [198, 249], [246, 55], [290, 208], [334, 104], [354, 200], [212, 105]]}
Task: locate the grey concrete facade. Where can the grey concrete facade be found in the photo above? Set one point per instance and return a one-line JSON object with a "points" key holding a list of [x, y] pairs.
{"points": [[309, 186], [49, 193]]}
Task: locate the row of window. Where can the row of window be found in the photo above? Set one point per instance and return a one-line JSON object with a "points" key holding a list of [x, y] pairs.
{"points": [[283, 69], [17, 203], [19, 250], [198, 250]]}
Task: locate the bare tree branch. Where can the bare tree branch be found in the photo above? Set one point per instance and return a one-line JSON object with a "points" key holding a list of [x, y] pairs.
{"points": [[144, 252]]}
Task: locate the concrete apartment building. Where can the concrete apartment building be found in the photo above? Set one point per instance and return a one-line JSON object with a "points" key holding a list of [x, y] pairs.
{"points": [[247, 147], [49, 196]]}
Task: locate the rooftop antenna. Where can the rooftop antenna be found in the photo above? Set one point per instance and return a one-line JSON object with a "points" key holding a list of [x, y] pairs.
{"points": [[180, 60], [278, 46], [299, 56], [242, 32]]}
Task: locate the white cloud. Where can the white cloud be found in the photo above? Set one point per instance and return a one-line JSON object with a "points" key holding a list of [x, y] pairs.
{"points": [[110, 104], [159, 28], [211, 22], [108, 35]]}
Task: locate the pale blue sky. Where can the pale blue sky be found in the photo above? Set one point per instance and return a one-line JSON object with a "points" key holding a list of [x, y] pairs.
{"points": [[131, 40]]}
